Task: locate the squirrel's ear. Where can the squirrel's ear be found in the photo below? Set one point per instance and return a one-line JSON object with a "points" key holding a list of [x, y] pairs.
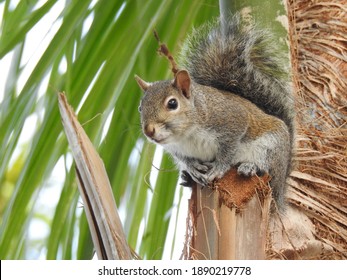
{"points": [[182, 81], [142, 84]]}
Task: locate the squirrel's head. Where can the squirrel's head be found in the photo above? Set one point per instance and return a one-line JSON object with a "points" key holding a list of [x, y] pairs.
{"points": [[165, 108]]}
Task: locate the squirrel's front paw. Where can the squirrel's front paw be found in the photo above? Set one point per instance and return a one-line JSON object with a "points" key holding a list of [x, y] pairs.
{"points": [[250, 169], [199, 172], [200, 178], [212, 174], [201, 167], [187, 180], [204, 172]]}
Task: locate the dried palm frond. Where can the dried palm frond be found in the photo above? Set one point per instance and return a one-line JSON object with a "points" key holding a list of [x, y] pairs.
{"points": [[319, 56]]}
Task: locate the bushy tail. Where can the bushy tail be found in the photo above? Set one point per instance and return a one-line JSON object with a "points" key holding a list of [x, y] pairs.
{"points": [[242, 60]]}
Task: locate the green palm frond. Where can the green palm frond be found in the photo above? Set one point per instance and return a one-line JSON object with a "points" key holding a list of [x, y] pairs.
{"points": [[95, 50]]}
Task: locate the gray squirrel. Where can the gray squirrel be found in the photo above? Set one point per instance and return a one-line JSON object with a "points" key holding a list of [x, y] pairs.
{"points": [[231, 106]]}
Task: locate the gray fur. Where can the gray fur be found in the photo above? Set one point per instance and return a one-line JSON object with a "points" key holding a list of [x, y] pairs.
{"points": [[242, 60], [234, 109]]}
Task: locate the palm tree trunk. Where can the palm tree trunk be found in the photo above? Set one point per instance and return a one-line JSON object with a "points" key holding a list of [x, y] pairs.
{"points": [[230, 221]]}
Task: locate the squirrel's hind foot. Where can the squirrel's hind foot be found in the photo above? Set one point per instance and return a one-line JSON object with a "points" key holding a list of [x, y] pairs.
{"points": [[249, 169]]}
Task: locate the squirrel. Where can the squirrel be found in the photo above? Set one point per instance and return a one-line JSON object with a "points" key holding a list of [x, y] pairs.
{"points": [[230, 106]]}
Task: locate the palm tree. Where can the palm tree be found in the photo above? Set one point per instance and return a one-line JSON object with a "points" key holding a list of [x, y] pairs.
{"points": [[91, 51]]}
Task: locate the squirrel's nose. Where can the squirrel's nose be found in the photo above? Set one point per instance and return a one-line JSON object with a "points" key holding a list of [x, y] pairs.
{"points": [[149, 130]]}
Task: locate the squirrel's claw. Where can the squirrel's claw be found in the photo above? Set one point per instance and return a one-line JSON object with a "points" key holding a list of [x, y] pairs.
{"points": [[187, 180]]}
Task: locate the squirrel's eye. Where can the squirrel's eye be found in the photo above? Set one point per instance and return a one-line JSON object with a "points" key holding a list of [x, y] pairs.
{"points": [[139, 108], [172, 104]]}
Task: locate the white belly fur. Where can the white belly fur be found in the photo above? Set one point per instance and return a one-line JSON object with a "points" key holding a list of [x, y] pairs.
{"points": [[198, 144]]}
